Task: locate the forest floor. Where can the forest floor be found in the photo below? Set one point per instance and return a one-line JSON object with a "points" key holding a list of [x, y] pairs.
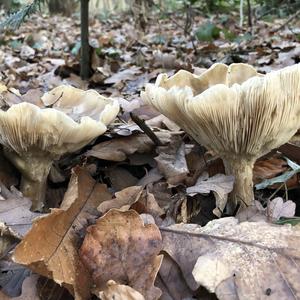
{"points": [[179, 186]]}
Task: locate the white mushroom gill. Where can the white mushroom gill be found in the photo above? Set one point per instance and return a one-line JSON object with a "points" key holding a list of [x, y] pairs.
{"points": [[34, 137], [235, 111]]}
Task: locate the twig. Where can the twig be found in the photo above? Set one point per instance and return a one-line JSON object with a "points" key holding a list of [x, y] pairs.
{"points": [[148, 131], [241, 13], [291, 18], [250, 23]]}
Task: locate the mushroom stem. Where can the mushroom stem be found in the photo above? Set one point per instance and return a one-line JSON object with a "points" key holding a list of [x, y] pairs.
{"points": [[35, 169], [35, 190], [242, 170]]}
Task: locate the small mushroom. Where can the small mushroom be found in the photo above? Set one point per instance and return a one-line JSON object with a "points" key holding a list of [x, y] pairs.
{"points": [[238, 113], [33, 137]]}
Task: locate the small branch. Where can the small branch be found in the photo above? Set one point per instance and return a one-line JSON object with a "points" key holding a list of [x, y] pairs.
{"points": [[250, 23], [291, 18], [241, 13], [147, 130]]}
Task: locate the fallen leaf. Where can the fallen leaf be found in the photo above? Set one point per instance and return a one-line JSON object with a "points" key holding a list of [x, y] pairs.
{"points": [[269, 168], [114, 291], [171, 161], [8, 239], [277, 209], [118, 149], [12, 276], [50, 248], [123, 199], [15, 211], [173, 280], [221, 185], [29, 289], [125, 75], [234, 257], [120, 178], [148, 204], [120, 247]]}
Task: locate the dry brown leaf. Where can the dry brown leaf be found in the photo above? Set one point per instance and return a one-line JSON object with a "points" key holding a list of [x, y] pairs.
{"points": [[248, 260], [114, 291], [120, 178], [51, 247], [221, 185], [148, 204], [123, 199], [119, 148], [269, 168], [120, 247], [171, 161], [162, 121]]}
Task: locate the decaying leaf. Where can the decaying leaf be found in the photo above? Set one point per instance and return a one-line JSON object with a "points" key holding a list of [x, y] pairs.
{"points": [[8, 238], [268, 168], [148, 204], [120, 247], [125, 75], [15, 211], [114, 291], [29, 289], [119, 148], [221, 185], [249, 260], [51, 247], [174, 284], [171, 161], [278, 208], [123, 199]]}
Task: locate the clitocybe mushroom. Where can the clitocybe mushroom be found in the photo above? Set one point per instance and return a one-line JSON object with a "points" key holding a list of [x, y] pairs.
{"points": [[238, 113], [33, 138]]}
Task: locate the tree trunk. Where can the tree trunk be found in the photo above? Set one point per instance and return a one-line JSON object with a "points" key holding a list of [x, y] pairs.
{"points": [[85, 47], [66, 7]]}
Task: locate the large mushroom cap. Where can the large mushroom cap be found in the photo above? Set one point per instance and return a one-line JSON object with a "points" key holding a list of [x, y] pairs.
{"points": [[227, 114], [234, 111], [75, 119], [34, 137]]}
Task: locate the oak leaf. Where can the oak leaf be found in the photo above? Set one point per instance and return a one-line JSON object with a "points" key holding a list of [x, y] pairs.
{"points": [[121, 248], [51, 246]]}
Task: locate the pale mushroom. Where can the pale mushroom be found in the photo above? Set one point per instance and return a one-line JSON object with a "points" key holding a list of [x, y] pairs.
{"points": [[33, 137], [238, 113]]}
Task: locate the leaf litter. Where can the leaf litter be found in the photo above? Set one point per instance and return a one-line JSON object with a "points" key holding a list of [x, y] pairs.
{"points": [[113, 233]]}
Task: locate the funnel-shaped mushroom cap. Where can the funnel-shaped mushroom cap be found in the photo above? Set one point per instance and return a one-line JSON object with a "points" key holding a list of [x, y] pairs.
{"points": [[76, 118], [233, 110], [34, 137], [228, 115]]}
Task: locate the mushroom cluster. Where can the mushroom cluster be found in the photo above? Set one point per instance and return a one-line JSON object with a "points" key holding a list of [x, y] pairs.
{"points": [[33, 137], [234, 111]]}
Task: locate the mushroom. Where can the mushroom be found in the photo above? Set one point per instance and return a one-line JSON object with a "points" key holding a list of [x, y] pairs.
{"points": [[234, 111], [33, 137]]}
